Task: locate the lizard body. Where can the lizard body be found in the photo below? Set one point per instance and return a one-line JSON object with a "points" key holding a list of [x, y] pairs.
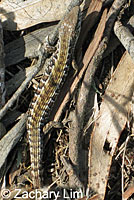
{"points": [[48, 89]]}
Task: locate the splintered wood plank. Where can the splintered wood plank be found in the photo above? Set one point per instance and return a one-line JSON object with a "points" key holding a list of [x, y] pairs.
{"points": [[17, 16], [111, 122]]}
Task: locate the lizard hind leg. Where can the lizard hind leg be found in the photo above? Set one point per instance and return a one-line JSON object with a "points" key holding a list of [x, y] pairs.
{"points": [[75, 66], [50, 125]]}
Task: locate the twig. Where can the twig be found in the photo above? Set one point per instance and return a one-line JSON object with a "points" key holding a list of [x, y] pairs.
{"points": [[114, 42], [125, 37], [128, 193], [122, 166], [2, 69]]}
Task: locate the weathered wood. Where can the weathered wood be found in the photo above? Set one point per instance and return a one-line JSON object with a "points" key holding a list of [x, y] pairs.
{"points": [[22, 86], [17, 16], [111, 121], [114, 42], [10, 139], [26, 46], [125, 37], [2, 130], [76, 134], [71, 172], [10, 118]]}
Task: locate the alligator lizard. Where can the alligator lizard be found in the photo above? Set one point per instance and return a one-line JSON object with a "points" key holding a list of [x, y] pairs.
{"points": [[48, 89]]}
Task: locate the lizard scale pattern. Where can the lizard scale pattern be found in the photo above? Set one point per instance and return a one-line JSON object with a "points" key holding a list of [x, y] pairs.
{"points": [[48, 89]]}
